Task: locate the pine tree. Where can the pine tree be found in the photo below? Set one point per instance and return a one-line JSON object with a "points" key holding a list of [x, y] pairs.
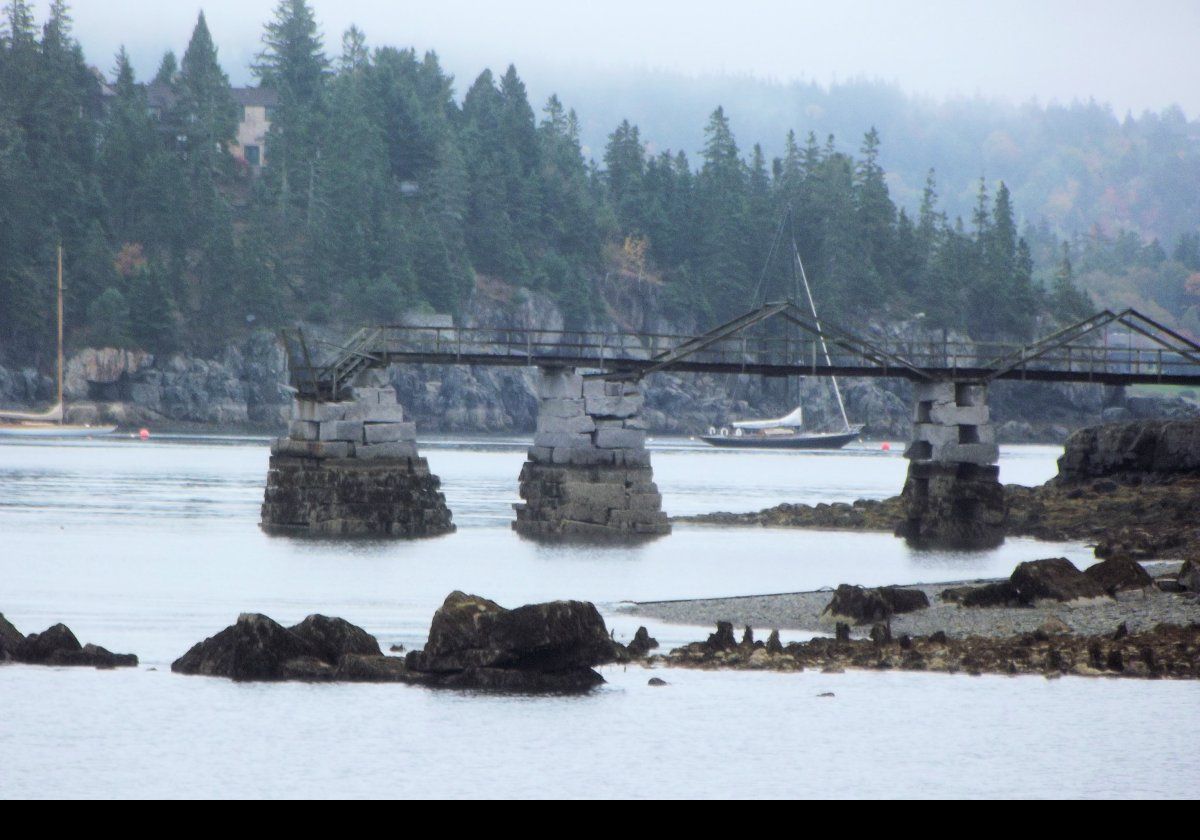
{"points": [[294, 64]]}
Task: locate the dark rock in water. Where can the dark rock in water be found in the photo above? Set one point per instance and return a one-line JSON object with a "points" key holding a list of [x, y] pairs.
{"points": [[999, 594], [333, 638], [10, 639], [723, 639], [472, 632], [826, 694], [881, 633], [58, 646], [656, 682], [1140, 446], [773, 643], [565, 681], [841, 631], [1116, 574], [1121, 632], [255, 648], [642, 643], [355, 667], [1054, 578], [748, 636], [867, 606], [937, 637], [1189, 575], [39, 648]]}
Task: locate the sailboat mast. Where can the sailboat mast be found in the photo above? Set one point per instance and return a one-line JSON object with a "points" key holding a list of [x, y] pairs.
{"points": [[820, 334], [61, 414]]}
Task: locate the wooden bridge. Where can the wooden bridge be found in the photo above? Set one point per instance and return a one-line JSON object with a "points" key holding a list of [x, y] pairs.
{"points": [[1109, 348]]}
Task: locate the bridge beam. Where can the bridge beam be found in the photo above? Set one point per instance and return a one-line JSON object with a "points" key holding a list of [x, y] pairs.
{"points": [[952, 496], [588, 473], [351, 468]]}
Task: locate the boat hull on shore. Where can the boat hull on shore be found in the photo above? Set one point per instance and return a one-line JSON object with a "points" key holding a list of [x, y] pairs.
{"points": [[823, 440], [52, 430]]}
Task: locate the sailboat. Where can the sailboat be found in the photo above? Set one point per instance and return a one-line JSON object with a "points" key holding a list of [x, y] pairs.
{"points": [[788, 432], [49, 423]]}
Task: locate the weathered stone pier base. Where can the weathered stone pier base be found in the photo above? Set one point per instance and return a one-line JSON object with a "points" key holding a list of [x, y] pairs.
{"points": [[352, 469], [952, 496], [588, 473]]}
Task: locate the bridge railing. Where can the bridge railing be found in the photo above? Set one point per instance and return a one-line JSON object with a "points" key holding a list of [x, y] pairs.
{"points": [[606, 349], [616, 351]]}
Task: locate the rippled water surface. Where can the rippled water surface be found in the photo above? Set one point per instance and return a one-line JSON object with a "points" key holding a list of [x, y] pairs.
{"points": [[151, 546]]}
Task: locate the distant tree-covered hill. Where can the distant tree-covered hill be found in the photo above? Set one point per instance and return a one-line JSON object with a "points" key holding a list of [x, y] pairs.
{"points": [[388, 188], [1077, 165]]}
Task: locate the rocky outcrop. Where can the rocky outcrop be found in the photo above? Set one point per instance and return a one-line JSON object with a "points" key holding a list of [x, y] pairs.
{"points": [[1159, 447], [1055, 579], [857, 605], [255, 648], [56, 645], [1118, 574], [641, 644], [473, 643], [1189, 575], [1166, 652], [10, 639]]}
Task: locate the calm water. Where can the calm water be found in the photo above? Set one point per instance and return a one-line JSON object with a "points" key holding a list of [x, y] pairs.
{"points": [[150, 547]]}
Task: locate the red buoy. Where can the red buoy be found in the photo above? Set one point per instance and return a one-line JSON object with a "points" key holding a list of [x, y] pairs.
{"points": [[887, 447], [144, 434]]}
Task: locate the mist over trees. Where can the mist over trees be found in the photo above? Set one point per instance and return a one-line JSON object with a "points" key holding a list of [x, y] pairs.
{"points": [[385, 193]]}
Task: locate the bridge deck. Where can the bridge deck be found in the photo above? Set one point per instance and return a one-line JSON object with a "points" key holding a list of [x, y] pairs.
{"points": [[1070, 356]]}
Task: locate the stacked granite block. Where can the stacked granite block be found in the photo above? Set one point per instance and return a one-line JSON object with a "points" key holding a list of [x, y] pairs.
{"points": [[351, 469], [952, 496], [588, 472]]}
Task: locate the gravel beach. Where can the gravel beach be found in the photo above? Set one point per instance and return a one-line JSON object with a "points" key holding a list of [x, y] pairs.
{"points": [[1139, 609]]}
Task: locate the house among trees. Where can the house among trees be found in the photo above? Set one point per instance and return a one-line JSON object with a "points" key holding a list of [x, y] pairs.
{"points": [[256, 108]]}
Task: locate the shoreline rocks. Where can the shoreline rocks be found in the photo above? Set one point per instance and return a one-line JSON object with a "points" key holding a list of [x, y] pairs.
{"points": [[56, 645], [473, 643], [1163, 652]]}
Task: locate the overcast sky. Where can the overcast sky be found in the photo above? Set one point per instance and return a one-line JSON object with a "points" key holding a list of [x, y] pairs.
{"points": [[1134, 55]]}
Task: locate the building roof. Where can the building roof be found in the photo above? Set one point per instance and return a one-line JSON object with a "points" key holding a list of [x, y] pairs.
{"points": [[255, 96]]}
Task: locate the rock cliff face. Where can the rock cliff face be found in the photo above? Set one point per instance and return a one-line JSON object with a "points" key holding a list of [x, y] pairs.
{"points": [[1140, 446]]}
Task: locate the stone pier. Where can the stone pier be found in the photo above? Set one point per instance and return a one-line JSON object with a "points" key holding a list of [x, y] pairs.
{"points": [[351, 468], [952, 497], [588, 472]]}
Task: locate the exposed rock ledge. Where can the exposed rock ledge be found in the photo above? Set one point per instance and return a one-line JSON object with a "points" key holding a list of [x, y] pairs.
{"points": [[56, 645], [1131, 488], [473, 643]]}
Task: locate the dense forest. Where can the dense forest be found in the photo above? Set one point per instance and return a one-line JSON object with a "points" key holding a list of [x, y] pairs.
{"points": [[1077, 164], [387, 192]]}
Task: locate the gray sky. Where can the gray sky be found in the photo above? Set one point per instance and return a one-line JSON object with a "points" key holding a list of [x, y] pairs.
{"points": [[1134, 55]]}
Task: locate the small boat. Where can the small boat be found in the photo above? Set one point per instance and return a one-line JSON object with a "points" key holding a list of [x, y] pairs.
{"points": [[788, 432], [49, 423], [781, 433]]}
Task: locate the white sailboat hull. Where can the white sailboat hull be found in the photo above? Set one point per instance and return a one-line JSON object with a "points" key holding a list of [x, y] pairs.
{"points": [[52, 430]]}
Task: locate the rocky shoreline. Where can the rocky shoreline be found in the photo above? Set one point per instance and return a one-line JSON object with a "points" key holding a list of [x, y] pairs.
{"points": [[1130, 489], [1139, 609]]}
